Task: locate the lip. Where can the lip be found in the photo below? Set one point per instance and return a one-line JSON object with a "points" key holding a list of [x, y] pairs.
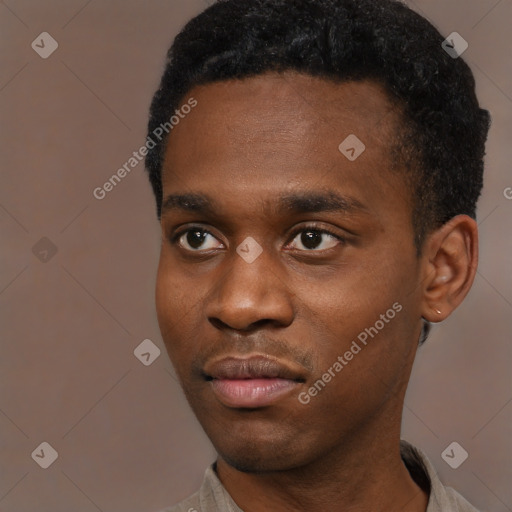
{"points": [[252, 382]]}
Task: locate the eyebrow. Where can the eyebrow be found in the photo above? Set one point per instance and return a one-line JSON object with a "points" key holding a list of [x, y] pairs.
{"points": [[313, 202], [306, 202], [198, 203]]}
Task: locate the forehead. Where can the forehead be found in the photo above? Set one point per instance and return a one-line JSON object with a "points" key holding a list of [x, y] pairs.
{"points": [[276, 132]]}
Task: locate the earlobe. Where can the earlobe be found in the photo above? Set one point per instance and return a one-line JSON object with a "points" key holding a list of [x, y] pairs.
{"points": [[450, 261]]}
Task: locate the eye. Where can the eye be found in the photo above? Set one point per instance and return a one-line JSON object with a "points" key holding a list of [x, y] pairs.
{"points": [[314, 239], [196, 240]]}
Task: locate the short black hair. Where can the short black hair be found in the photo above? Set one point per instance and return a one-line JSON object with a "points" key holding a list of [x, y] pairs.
{"points": [[441, 141]]}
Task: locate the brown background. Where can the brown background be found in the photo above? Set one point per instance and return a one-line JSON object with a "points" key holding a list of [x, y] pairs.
{"points": [[126, 439]]}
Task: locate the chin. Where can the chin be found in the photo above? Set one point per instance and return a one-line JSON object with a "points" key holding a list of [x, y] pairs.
{"points": [[258, 440], [250, 453], [249, 460]]}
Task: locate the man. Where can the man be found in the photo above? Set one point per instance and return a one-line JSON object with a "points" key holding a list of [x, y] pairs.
{"points": [[316, 166]]}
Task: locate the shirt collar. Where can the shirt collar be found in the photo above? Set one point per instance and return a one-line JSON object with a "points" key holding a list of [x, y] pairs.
{"points": [[212, 492]]}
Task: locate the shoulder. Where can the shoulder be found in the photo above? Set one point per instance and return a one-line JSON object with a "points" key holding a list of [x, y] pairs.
{"points": [[450, 500], [211, 497], [190, 504], [441, 498]]}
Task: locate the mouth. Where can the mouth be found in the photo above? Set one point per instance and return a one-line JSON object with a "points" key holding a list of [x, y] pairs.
{"points": [[253, 382]]}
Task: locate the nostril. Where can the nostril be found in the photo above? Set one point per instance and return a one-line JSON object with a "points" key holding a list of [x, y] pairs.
{"points": [[221, 325], [217, 323]]}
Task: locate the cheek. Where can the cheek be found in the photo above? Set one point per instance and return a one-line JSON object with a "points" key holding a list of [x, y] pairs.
{"points": [[372, 305], [174, 300], [165, 296], [175, 294], [350, 302]]}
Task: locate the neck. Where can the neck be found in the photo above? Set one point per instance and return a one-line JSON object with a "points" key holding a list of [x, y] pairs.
{"points": [[365, 473]]}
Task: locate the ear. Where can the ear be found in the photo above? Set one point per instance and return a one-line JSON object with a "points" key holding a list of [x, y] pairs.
{"points": [[450, 258]]}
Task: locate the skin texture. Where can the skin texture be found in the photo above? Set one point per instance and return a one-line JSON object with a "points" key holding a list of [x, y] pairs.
{"points": [[243, 146]]}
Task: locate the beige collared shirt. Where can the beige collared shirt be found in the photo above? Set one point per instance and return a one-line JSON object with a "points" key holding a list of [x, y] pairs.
{"points": [[212, 497]]}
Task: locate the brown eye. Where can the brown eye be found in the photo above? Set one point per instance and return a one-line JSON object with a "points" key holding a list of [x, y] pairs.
{"points": [[197, 239], [315, 240], [311, 239]]}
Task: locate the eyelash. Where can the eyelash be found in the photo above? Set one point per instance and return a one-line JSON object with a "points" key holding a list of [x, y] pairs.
{"points": [[310, 227], [317, 229]]}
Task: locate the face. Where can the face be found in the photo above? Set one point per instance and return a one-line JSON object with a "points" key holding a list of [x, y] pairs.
{"points": [[288, 284]]}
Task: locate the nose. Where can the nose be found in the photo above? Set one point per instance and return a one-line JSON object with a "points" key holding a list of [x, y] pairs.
{"points": [[250, 295]]}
